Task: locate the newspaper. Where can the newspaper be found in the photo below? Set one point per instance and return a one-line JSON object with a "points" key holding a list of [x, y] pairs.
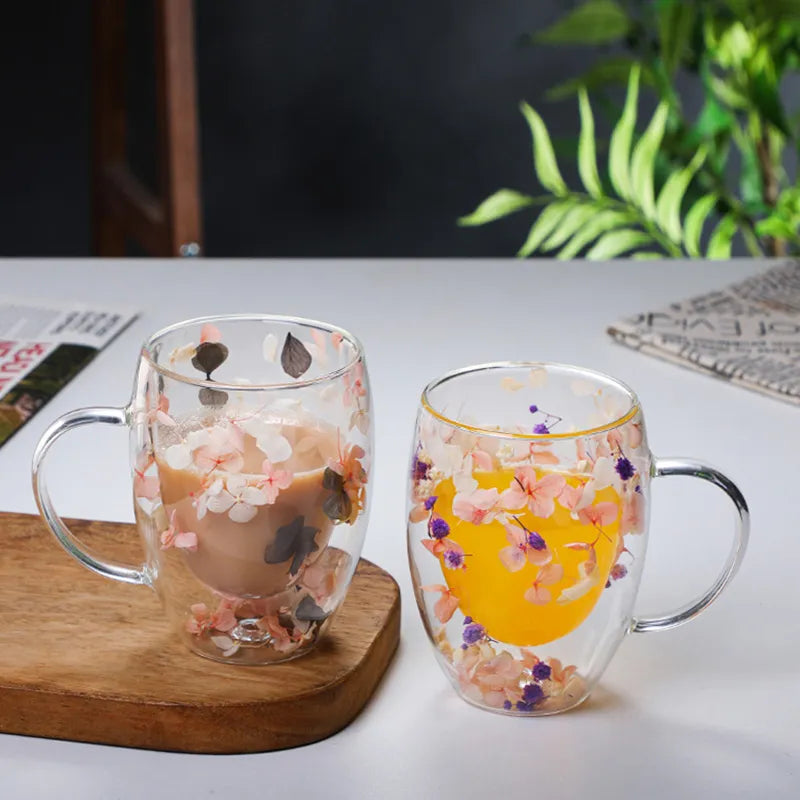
{"points": [[747, 333], [42, 347]]}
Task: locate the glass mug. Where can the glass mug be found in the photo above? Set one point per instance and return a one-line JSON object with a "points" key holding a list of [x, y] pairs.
{"points": [[251, 446], [527, 527]]}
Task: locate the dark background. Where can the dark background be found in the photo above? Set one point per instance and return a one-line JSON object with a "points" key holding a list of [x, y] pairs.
{"points": [[328, 128]]}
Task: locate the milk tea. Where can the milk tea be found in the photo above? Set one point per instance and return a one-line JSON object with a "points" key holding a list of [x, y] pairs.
{"points": [[255, 530]]}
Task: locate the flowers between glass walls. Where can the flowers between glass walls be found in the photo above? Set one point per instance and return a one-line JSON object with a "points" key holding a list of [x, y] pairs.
{"points": [[247, 497], [528, 533]]}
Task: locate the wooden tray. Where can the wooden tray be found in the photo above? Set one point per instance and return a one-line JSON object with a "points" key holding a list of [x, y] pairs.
{"points": [[89, 659]]}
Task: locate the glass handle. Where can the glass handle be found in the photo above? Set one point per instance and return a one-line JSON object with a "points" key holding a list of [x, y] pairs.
{"points": [[83, 416], [682, 466]]}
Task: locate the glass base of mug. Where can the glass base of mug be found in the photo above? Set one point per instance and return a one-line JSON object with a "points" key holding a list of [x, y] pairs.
{"points": [[546, 709], [248, 634], [552, 698], [247, 645]]}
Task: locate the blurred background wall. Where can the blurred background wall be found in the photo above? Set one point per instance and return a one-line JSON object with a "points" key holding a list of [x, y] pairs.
{"points": [[328, 128]]}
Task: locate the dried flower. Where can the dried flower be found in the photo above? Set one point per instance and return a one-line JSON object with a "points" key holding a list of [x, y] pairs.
{"points": [[625, 468], [541, 671], [439, 528], [454, 559], [473, 632]]}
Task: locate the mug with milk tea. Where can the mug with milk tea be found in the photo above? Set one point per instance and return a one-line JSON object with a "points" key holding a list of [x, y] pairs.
{"points": [[251, 448]]}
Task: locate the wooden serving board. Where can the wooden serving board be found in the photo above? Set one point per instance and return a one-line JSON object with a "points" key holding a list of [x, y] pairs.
{"points": [[90, 659]]}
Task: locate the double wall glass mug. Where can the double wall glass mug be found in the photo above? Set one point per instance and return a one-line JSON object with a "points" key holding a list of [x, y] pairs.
{"points": [[527, 527], [251, 446]]}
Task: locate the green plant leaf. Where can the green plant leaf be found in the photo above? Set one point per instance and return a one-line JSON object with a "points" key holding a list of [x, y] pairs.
{"points": [[695, 220], [612, 71], [777, 227], [619, 151], [668, 207], [600, 223], [646, 255], [767, 100], [727, 94], [675, 23], [713, 120], [643, 161], [500, 204], [595, 22], [544, 158], [587, 154], [613, 244], [719, 246], [751, 184], [545, 223], [570, 224]]}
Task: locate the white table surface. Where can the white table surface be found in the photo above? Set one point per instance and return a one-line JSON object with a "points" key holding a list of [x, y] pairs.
{"points": [[707, 710]]}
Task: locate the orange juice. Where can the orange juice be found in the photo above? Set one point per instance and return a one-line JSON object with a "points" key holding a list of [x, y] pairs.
{"points": [[538, 603]]}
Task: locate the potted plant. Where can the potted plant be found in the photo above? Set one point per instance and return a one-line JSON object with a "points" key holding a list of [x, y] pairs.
{"points": [[680, 185]]}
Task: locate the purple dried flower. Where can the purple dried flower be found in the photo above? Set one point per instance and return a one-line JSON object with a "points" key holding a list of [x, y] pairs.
{"points": [[420, 469], [507, 705], [535, 541], [439, 528], [541, 428], [453, 559], [532, 693], [618, 571], [431, 502], [523, 706], [467, 620], [473, 633], [541, 672], [624, 468], [534, 409]]}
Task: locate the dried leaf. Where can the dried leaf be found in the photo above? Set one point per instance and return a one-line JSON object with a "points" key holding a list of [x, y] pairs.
{"points": [[338, 507], [308, 611], [332, 480], [209, 356], [295, 541], [295, 358], [212, 397]]}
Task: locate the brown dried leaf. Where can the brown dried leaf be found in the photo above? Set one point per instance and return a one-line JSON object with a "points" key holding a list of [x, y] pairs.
{"points": [[295, 358], [338, 507], [308, 611], [212, 397], [209, 356], [332, 480]]}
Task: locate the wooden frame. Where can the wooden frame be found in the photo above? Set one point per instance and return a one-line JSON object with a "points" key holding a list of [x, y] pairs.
{"points": [[169, 223]]}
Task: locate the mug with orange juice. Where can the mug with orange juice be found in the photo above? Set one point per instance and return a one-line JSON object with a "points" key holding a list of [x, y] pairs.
{"points": [[527, 525]]}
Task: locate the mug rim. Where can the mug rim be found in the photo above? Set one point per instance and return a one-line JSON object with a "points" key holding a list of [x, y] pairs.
{"points": [[633, 409], [358, 352]]}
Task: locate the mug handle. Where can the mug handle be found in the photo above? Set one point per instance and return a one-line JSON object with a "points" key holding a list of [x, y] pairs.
{"points": [[68, 540], [696, 469]]}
